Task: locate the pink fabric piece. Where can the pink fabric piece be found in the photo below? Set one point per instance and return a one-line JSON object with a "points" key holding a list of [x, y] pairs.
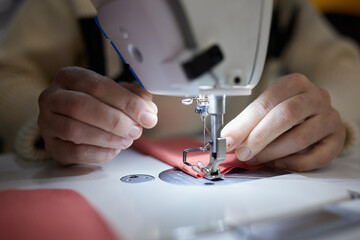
{"points": [[170, 151], [49, 214]]}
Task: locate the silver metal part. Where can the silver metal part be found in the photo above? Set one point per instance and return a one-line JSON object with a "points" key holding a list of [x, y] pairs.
{"points": [[196, 168], [202, 108], [178, 177], [204, 130], [215, 107], [217, 144], [216, 104], [203, 149], [187, 101], [137, 178]]}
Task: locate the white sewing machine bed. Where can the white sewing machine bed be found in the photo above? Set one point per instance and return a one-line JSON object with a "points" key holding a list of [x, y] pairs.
{"points": [[138, 204]]}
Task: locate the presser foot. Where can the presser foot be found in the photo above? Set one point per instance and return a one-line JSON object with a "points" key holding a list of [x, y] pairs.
{"points": [[211, 173]]}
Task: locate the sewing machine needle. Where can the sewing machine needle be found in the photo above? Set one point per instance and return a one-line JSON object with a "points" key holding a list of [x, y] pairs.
{"points": [[204, 130]]}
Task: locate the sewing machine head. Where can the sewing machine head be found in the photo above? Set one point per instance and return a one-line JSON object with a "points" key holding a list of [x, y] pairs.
{"points": [[202, 49]]}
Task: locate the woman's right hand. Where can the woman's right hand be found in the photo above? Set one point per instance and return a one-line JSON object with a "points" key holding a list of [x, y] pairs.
{"points": [[88, 118]]}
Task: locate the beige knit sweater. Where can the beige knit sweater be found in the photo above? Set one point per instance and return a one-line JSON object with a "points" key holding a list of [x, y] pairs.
{"points": [[45, 36]]}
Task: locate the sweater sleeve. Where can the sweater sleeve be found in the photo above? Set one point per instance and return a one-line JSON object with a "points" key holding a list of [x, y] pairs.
{"points": [[43, 37], [330, 61]]}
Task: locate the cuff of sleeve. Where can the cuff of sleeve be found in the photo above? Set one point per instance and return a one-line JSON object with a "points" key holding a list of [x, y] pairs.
{"points": [[351, 137], [29, 143]]}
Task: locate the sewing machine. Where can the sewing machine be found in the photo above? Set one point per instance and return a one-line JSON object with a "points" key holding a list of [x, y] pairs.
{"points": [[201, 49]]}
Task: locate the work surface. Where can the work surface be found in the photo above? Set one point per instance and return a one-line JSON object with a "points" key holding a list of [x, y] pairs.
{"points": [[157, 209]]}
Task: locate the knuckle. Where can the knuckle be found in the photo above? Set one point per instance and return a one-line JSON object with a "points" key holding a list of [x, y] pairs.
{"points": [[132, 105], [324, 158], [264, 107], [96, 87], [300, 100], [288, 113], [109, 154], [116, 122], [334, 115], [324, 94], [258, 139], [333, 120], [301, 142], [55, 103], [43, 98], [74, 106], [78, 153], [110, 139], [298, 79], [62, 74], [69, 131]]}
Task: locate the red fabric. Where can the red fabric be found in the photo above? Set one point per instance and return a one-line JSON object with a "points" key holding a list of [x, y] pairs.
{"points": [[170, 151], [49, 214]]}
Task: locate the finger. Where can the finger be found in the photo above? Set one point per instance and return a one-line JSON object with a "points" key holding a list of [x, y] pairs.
{"points": [[240, 127], [69, 153], [282, 117], [141, 92], [137, 89], [89, 110], [68, 129], [318, 156], [109, 92], [300, 137]]}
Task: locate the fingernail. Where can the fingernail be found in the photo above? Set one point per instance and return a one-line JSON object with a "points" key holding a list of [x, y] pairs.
{"points": [[148, 119], [135, 132], [229, 143], [125, 142], [243, 153], [280, 165]]}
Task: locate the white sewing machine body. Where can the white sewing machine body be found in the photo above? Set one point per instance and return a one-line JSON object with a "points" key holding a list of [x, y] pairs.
{"points": [[158, 38], [205, 48]]}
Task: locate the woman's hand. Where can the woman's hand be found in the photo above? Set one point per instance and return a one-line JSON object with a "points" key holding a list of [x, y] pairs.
{"points": [[88, 118], [292, 126]]}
